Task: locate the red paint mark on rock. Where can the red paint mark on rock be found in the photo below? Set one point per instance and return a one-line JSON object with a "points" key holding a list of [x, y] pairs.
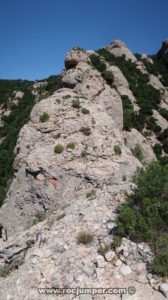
{"points": [[52, 181]]}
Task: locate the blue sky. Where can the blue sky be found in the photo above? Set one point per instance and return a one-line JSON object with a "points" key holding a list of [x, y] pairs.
{"points": [[36, 34]]}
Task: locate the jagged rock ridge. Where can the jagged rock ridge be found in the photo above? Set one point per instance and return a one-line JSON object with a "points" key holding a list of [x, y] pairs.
{"points": [[77, 188]]}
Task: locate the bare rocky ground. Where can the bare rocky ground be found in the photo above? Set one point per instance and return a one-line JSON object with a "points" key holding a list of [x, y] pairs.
{"points": [[77, 190]]}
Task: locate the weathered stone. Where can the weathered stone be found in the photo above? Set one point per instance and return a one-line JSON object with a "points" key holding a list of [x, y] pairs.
{"points": [[164, 289], [125, 270], [109, 256], [118, 48]]}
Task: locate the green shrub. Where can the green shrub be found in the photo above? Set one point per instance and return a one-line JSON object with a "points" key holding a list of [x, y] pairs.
{"points": [[108, 76], [97, 63], [137, 152], [91, 193], [86, 130], [102, 250], [116, 241], [85, 237], [76, 103], [152, 125], [144, 215], [158, 150], [128, 113], [79, 49], [160, 260], [164, 113], [44, 117], [5, 270], [117, 150], [85, 111], [66, 97], [71, 146], [124, 177], [58, 149], [39, 217]]}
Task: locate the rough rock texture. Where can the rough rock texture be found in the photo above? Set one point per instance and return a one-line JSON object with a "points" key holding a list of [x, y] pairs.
{"points": [[163, 52], [118, 48], [133, 138], [162, 122], [147, 58], [122, 85], [74, 57], [45, 179], [76, 190], [155, 82]]}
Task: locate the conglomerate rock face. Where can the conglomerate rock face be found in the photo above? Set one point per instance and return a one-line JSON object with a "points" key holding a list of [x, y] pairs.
{"points": [[163, 52], [74, 167], [89, 116], [118, 48]]}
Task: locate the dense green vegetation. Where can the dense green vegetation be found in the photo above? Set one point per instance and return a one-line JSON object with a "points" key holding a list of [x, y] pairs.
{"points": [[11, 126], [157, 68], [128, 113], [144, 216], [148, 98], [53, 83], [15, 121]]}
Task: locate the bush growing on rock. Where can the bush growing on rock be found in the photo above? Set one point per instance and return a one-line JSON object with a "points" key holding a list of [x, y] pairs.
{"points": [[158, 150], [58, 149], [137, 152], [144, 215], [85, 111], [108, 76], [85, 237], [117, 150], [86, 130], [103, 249], [97, 63], [39, 217], [91, 193], [71, 146], [44, 117], [76, 103]]}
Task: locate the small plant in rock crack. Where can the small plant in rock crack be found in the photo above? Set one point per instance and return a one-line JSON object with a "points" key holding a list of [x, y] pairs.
{"points": [[76, 103], [117, 240], [117, 150], [44, 117], [137, 152], [66, 97], [91, 193], [85, 237], [103, 249], [39, 217], [86, 130], [85, 111], [71, 146]]}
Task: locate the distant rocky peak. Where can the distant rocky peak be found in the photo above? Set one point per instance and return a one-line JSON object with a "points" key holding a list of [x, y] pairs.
{"points": [[119, 48], [163, 52]]}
